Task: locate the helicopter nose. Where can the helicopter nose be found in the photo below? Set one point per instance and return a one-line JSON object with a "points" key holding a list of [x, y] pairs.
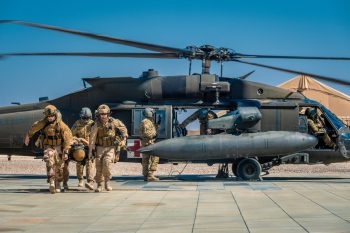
{"points": [[343, 144]]}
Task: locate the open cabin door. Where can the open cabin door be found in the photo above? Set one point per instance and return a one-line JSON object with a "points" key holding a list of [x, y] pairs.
{"points": [[163, 116]]}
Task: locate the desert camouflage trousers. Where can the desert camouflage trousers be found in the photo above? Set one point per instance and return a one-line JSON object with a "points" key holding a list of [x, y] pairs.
{"points": [[90, 170], [104, 160], [65, 171], [149, 162], [54, 162], [328, 141]]}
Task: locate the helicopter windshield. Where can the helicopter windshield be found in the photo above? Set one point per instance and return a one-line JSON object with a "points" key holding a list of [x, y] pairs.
{"points": [[333, 118]]}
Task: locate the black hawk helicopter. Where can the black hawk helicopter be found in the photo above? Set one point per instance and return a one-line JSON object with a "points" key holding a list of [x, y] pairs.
{"points": [[265, 125]]}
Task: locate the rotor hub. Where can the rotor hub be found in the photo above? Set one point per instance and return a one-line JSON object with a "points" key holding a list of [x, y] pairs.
{"points": [[209, 52]]}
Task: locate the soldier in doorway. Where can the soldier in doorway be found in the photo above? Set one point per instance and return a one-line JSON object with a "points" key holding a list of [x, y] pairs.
{"points": [[316, 127], [148, 134]]}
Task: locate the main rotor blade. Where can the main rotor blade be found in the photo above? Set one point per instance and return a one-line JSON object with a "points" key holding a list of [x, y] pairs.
{"points": [[148, 46], [334, 80], [133, 55], [240, 55]]}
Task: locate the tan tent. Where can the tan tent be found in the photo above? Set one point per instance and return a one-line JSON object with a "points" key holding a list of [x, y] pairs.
{"points": [[336, 101]]}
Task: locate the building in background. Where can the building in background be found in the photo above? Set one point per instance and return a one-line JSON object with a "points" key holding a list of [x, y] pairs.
{"points": [[336, 101]]}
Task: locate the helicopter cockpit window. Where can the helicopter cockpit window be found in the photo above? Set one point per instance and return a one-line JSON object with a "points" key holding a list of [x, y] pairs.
{"points": [[318, 125], [333, 118], [160, 118]]}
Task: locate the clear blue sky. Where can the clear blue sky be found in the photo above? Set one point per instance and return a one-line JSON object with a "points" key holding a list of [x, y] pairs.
{"points": [[314, 28]]}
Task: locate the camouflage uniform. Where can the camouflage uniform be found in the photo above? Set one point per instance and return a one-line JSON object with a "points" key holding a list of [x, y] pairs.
{"points": [[81, 129], [148, 135], [320, 131], [56, 136], [103, 136], [203, 115]]}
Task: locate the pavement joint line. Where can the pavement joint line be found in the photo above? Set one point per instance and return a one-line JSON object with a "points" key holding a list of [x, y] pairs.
{"points": [[91, 223], [286, 212], [149, 215], [240, 211], [346, 199], [323, 207], [195, 215]]}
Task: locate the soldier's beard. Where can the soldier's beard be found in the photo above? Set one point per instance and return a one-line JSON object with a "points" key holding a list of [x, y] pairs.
{"points": [[51, 119]]}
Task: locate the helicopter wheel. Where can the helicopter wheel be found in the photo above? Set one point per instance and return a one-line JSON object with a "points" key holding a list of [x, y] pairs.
{"points": [[234, 166], [249, 169]]}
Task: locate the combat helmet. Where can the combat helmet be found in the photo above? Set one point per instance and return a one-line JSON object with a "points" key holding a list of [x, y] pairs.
{"points": [[148, 112], [85, 113], [311, 113], [103, 109], [78, 152], [50, 110]]}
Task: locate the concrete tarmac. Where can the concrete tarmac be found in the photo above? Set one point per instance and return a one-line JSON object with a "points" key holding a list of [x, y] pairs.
{"points": [[186, 203]]}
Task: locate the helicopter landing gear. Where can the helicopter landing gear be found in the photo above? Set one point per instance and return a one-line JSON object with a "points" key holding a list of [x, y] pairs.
{"points": [[223, 171], [235, 165], [247, 169]]}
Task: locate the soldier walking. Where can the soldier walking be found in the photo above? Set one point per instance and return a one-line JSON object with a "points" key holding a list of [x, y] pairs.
{"points": [[57, 139], [103, 141], [148, 134], [81, 129]]}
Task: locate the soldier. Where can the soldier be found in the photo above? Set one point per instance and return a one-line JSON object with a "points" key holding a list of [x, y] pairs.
{"points": [[203, 115], [57, 139], [81, 129], [148, 134], [103, 139], [316, 127]]}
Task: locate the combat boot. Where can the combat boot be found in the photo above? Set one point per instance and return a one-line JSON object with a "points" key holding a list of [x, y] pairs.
{"points": [[151, 177], [58, 187], [52, 186], [65, 186], [99, 188], [81, 183], [89, 185], [108, 187]]}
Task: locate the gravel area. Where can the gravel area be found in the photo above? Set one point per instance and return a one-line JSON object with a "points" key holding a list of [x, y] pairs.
{"points": [[28, 165]]}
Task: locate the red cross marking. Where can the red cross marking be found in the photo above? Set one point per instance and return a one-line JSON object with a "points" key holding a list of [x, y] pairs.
{"points": [[135, 147]]}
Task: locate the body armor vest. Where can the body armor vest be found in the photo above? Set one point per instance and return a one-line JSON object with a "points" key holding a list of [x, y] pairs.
{"points": [[82, 129], [106, 134], [52, 135]]}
